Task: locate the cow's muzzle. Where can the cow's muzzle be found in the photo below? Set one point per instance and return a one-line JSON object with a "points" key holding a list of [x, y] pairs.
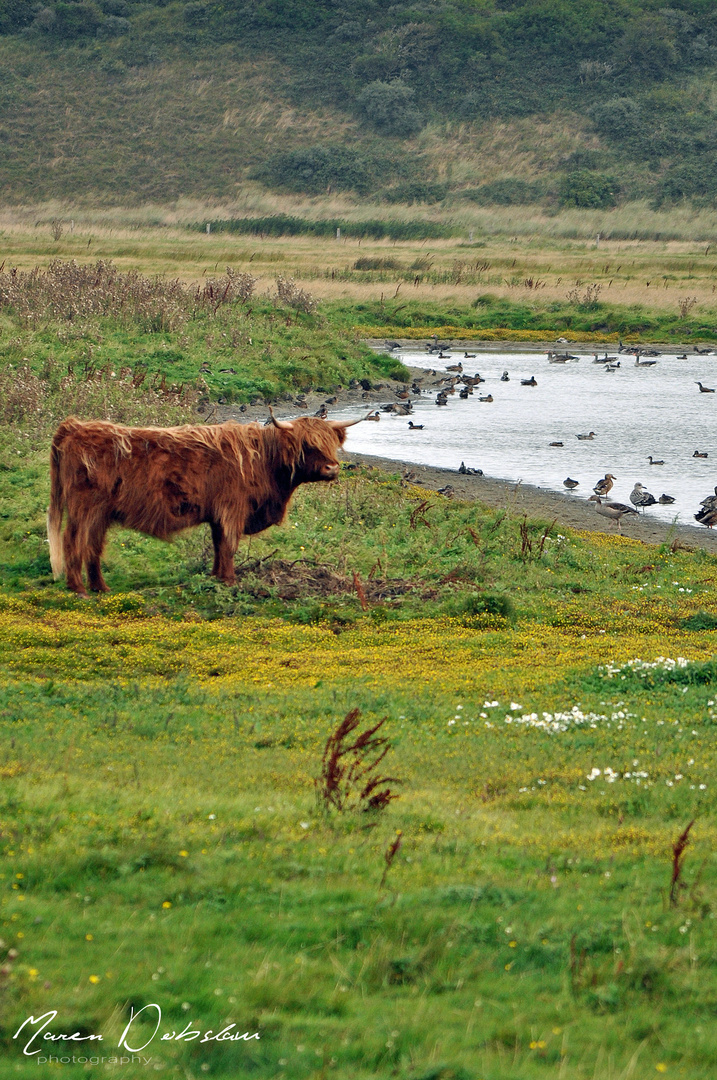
{"points": [[330, 471]]}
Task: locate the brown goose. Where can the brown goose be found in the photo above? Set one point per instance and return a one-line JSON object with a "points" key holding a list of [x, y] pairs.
{"points": [[615, 511], [707, 517]]}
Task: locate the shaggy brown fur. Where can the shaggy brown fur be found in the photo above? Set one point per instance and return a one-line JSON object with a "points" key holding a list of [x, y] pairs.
{"points": [[237, 477]]}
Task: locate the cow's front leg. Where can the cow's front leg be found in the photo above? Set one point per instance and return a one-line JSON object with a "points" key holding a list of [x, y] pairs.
{"points": [[223, 555], [95, 547], [74, 544]]}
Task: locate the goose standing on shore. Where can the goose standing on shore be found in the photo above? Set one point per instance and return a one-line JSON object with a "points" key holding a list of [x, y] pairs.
{"points": [[614, 511]]}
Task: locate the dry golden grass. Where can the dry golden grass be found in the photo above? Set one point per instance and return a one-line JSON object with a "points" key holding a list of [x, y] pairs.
{"points": [[517, 252], [525, 147]]}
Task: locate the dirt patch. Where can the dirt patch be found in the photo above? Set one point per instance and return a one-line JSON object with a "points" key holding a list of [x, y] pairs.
{"points": [[303, 578]]}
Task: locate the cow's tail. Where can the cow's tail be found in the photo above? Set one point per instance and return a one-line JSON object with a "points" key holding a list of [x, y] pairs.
{"points": [[54, 513]]}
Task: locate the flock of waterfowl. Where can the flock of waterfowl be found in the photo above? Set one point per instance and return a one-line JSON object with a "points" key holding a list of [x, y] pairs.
{"points": [[456, 381], [640, 498]]}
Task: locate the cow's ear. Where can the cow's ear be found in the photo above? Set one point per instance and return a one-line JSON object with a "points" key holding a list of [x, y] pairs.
{"points": [[283, 425]]}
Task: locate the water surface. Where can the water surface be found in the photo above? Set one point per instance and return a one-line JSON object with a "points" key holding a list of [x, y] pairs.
{"points": [[635, 412]]}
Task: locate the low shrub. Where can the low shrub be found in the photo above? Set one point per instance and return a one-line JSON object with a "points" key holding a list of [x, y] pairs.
{"points": [[582, 188]]}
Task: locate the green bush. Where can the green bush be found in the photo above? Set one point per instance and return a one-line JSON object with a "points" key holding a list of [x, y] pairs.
{"points": [[690, 180], [416, 191], [618, 118], [507, 191], [75, 20], [588, 189], [314, 169], [649, 47], [16, 14], [389, 107]]}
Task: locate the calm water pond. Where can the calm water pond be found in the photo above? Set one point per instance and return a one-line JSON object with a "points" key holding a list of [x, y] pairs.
{"points": [[635, 412]]}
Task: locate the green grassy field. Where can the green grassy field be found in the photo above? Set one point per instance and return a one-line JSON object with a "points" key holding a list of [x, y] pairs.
{"points": [[160, 835], [162, 838]]}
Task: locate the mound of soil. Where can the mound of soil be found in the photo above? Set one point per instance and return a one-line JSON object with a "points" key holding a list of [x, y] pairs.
{"points": [[304, 578]]}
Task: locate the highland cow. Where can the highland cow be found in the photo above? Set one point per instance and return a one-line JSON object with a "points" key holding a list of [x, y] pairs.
{"points": [[238, 478]]}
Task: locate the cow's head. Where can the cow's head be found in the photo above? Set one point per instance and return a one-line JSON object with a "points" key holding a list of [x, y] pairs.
{"points": [[309, 446]]}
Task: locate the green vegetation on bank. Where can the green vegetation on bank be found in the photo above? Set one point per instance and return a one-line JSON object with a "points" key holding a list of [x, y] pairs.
{"points": [[160, 835], [218, 338], [222, 342], [584, 313]]}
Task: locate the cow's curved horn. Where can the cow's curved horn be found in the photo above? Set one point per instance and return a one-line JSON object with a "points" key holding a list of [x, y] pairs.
{"points": [[285, 425], [347, 423]]}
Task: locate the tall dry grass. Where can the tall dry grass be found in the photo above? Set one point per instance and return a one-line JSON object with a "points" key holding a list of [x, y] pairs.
{"points": [[634, 220], [32, 405], [514, 244], [72, 292]]}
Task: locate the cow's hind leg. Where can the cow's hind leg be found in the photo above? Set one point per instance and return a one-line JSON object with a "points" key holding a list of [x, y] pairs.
{"points": [[95, 547], [223, 555], [74, 544]]}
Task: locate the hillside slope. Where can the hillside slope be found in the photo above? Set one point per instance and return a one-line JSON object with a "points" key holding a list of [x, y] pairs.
{"points": [[499, 101]]}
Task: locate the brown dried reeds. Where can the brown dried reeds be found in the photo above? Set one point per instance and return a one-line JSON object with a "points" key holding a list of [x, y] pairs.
{"points": [[678, 858], [71, 292], [36, 403], [291, 295], [389, 856], [349, 779]]}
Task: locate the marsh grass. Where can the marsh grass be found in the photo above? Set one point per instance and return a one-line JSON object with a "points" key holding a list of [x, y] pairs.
{"points": [[641, 280]]}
